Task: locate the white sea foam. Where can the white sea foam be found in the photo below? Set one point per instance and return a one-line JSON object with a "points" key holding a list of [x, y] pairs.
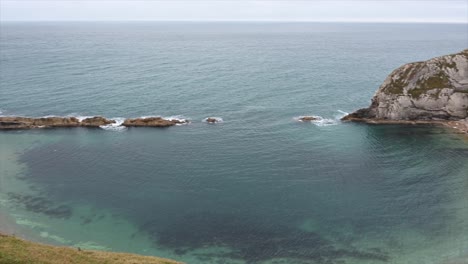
{"points": [[343, 112], [325, 122], [178, 118], [151, 116], [117, 126], [321, 121], [81, 118], [28, 223], [170, 118], [54, 237], [91, 245]]}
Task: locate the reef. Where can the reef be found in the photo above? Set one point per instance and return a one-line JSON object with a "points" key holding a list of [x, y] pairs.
{"points": [[308, 118], [40, 204], [17, 122], [153, 122], [253, 242]]}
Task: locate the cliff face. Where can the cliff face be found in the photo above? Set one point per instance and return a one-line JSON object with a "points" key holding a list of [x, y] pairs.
{"points": [[436, 89]]}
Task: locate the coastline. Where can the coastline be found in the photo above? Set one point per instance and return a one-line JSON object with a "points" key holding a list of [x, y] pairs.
{"points": [[17, 250], [7, 224], [460, 127]]}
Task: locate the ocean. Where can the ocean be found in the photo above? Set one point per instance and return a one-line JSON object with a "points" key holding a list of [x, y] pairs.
{"points": [[258, 187]]}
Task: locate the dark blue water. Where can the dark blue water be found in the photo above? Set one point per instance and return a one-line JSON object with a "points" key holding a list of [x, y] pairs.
{"points": [[259, 187]]}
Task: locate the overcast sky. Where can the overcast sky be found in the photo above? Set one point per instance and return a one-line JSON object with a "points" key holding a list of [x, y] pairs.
{"points": [[240, 10]]}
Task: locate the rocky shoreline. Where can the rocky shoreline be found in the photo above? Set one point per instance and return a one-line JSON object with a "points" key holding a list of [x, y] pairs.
{"points": [[431, 92], [17, 122], [460, 126]]}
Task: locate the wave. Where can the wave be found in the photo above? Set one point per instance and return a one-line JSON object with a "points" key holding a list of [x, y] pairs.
{"points": [[322, 121], [180, 118], [343, 113], [117, 126], [79, 117]]}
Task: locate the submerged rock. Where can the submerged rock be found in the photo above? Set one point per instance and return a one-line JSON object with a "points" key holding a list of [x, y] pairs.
{"points": [[432, 90], [211, 120], [152, 122], [308, 118], [15, 122]]}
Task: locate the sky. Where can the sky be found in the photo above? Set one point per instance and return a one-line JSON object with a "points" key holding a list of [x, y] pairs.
{"points": [[446, 11]]}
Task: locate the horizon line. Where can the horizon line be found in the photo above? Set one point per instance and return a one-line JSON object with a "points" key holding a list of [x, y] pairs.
{"points": [[257, 21]]}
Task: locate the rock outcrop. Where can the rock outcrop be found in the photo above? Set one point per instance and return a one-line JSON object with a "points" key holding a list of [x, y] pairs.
{"points": [[211, 120], [96, 121], [433, 90], [308, 118], [16, 122], [152, 122]]}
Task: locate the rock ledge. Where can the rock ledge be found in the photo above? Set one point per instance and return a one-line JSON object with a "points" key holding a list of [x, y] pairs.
{"points": [[17, 122]]}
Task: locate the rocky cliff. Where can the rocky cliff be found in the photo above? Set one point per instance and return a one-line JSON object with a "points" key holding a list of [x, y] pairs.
{"points": [[432, 90]]}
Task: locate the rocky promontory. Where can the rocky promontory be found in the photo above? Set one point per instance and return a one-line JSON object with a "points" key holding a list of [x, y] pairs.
{"points": [[17, 122], [432, 91]]}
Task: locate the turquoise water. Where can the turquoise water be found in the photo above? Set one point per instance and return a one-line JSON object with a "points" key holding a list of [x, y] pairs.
{"points": [[259, 187]]}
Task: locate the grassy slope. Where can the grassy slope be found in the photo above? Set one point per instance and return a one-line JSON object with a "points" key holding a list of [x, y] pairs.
{"points": [[18, 251]]}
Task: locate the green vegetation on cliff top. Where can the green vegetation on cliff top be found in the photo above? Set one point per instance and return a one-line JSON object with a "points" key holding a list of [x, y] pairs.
{"points": [[18, 251], [437, 81]]}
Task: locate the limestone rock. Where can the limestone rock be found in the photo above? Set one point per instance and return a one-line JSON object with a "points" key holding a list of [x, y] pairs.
{"points": [[152, 122], [96, 121], [436, 89], [16, 122]]}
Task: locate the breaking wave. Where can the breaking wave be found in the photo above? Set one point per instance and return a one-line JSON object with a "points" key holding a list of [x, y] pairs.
{"points": [[322, 121], [178, 118], [117, 126]]}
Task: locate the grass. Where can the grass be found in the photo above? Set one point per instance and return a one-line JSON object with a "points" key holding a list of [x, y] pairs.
{"points": [[408, 72], [437, 81], [17, 251], [405, 74]]}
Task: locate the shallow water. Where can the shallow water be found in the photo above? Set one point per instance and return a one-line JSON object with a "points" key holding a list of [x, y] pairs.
{"points": [[259, 187]]}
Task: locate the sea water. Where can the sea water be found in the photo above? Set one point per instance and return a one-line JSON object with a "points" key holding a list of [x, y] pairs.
{"points": [[258, 187]]}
